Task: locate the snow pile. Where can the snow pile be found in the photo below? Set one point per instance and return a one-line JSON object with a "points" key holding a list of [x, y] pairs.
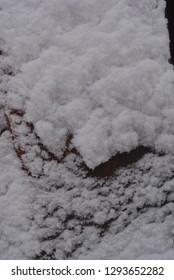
{"points": [[95, 69]]}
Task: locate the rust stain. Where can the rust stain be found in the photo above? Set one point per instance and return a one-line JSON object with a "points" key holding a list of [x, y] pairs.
{"points": [[9, 125], [17, 112], [19, 151], [69, 149]]}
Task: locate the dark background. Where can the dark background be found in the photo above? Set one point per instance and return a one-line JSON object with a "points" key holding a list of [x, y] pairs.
{"points": [[170, 16]]}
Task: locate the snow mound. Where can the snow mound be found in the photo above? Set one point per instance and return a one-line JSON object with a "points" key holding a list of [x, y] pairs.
{"points": [[95, 69]]}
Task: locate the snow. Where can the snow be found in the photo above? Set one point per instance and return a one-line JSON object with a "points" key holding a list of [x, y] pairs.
{"points": [[96, 71], [64, 215], [15, 203]]}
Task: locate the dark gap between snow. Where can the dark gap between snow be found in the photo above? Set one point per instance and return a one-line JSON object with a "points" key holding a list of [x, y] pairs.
{"points": [[169, 14], [108, 168]]}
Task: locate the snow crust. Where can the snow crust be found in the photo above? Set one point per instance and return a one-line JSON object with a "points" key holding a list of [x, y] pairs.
{"points": [[95, 69]]}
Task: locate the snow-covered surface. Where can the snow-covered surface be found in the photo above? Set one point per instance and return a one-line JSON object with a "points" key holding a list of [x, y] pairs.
{"points": [[97, 70], [131, 216], [15, 204]]}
